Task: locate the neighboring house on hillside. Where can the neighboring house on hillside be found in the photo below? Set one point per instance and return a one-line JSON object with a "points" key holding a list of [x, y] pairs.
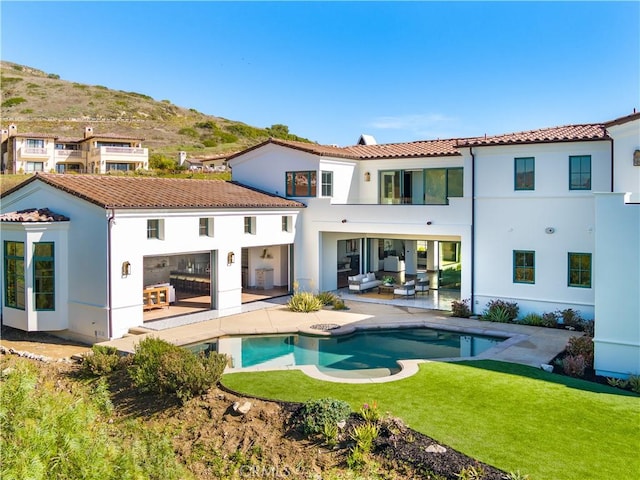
{"points": [[92, 256], [38, 152], [512, 217]]}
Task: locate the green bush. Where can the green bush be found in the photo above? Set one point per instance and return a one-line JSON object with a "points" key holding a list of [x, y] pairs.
{"points": [[500, 311], [460, 308], [364, 435], [327, 298], [11, 102], [315, 414], [189, 132], [338, 304], [533, 319], [163, 368], [304, 302], [102, 360], [571, 318]]}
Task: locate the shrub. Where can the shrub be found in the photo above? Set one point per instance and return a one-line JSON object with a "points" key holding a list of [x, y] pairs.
{"points": [[189, 132], [500, 311], [471, 473], [370, 412], [338, 304], [460, 308], [364, 435], [102, 360], [634, 382], [55, 76], [304, 302], [161, 367], [315, 414], [574, 366], [533, 319], [550, 319], [571, 318], [10, 102], [581, 346], [617, 382], [327, 298]]}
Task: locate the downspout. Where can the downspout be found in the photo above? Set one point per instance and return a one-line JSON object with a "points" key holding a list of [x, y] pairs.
{"points": [[110, 222], [612, 165], [473, 230]]}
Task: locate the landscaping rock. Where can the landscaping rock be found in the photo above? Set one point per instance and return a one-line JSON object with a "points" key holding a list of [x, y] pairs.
{"points": [[242, 408]]}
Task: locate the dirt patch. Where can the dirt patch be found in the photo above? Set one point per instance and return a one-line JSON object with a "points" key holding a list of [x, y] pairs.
{"points": [[41, 344]]}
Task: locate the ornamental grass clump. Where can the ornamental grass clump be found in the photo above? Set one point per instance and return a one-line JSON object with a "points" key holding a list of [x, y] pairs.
{"points": [[500, 311], [304, 302]]}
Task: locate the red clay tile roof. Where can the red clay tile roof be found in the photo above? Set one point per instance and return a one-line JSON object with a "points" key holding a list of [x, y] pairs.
{"points": [[152, 192], [33, 215], [568, 133], [426, 148], [621, 120]]}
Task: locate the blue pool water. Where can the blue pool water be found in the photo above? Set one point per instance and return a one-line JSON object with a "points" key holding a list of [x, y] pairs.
{"points": [[363, 353]]}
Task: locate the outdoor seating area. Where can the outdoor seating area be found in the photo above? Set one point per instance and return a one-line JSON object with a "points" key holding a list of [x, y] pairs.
{"points": [[363, 282], [407, 289]]}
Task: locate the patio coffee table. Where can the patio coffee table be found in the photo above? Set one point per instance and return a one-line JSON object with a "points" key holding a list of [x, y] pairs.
{"points": [[385, 288]]}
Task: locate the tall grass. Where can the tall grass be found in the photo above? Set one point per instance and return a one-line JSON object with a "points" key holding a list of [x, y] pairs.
{"points": [[50, 433]]}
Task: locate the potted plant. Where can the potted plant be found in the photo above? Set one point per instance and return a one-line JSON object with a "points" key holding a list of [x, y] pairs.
{"points": [[388, 280]]}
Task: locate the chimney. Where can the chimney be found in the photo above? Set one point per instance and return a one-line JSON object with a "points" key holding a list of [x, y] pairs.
{"points": [[13, 129], [5, 134], [182, 157], [88, 132]]}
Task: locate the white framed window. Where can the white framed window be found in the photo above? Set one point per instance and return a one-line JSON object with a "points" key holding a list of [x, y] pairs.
{"points": [[250, 225], [205, 227], [155, 228], [327, 184], [286, 223], [34, 167]]}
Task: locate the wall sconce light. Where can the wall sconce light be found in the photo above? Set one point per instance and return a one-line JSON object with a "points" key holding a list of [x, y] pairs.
{"points": [[636, 158], [367, 176], [344, 220], [126, 269], [231, 258], [429, 222]]}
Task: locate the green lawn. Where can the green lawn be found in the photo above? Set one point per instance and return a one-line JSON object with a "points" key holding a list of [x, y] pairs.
{"points": [[510, 416]]}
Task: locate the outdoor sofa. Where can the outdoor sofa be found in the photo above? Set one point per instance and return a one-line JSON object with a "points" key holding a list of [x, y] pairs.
{"points": [[363, 281]]}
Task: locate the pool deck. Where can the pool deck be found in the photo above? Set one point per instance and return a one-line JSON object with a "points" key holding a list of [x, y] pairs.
{"points": [[526, 345]]}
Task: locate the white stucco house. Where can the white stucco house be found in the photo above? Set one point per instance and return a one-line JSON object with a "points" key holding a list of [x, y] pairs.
{"points": [[548, 218], [89, 256]]}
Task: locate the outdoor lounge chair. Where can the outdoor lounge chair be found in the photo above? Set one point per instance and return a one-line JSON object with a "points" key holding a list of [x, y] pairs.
{"points": [[407, 289]]}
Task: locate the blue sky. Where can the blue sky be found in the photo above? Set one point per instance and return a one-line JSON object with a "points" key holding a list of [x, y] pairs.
{"points": [[334, 70]]}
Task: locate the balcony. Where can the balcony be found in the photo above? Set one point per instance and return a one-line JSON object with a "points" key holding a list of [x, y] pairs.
{"points": [[69, 155], [120, 151], [34, 152]]}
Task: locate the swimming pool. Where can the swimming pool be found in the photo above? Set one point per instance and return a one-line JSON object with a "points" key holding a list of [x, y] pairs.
{"points": [[372, 353]]}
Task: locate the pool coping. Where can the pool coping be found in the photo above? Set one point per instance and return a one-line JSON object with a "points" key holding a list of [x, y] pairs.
{"points": [[407, 367], [524, 344]]}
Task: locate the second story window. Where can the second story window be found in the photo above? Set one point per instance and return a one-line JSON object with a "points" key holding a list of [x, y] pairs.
{"points": [[35, 143], [327, 184], [154, 228], [250, 225], [206, 227], [286, 223], [524, 173], [301, 184], [580, 172]]}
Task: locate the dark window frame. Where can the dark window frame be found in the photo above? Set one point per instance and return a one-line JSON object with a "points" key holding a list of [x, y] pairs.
{"points": [[521, 171], [44, 277], [14, 279], [581, 178], [524, 266], [584, 275], [295, 187]]}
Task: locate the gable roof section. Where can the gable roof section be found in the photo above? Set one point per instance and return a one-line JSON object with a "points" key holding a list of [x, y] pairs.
{"points": [[423, 148], [625, 119], [33, 215], [152, 192], [568, 133]]}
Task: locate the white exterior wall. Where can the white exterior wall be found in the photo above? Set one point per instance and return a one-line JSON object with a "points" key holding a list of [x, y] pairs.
{"points": [[181, 235], [617, 266], [508, 220], [626, 175], [84, 314]]}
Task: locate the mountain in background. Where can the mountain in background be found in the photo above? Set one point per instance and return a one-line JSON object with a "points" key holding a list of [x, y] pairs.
{"points": [[41, 102]]}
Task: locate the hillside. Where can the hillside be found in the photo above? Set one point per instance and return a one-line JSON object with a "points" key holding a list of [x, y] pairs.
{"points": [[37, 101]]}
